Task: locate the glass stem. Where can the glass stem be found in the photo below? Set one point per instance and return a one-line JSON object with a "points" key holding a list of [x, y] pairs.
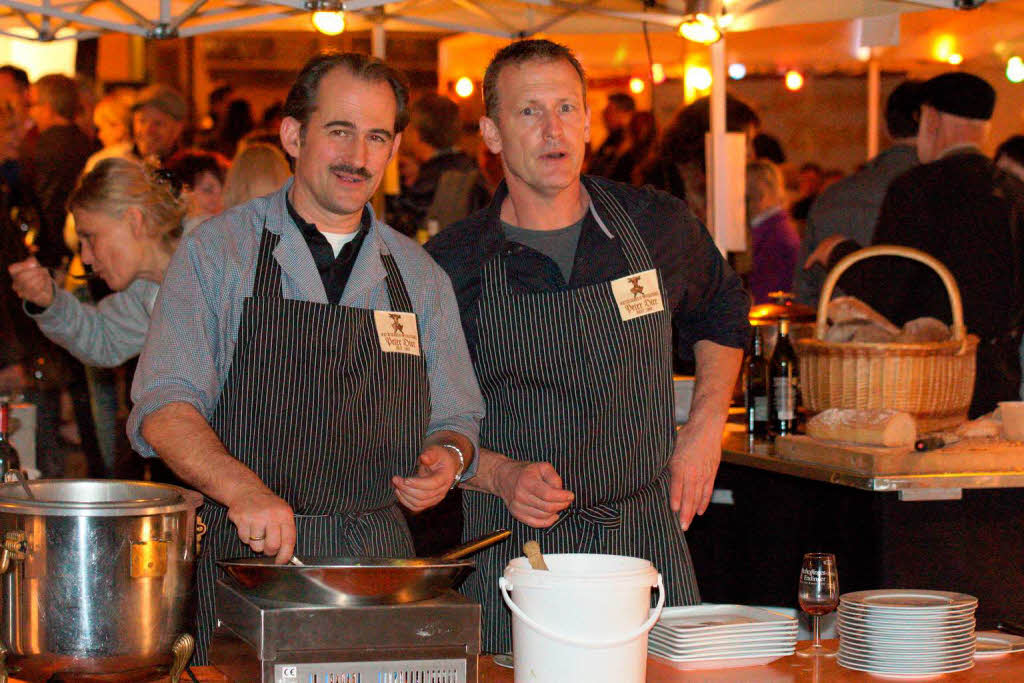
{"points": [[817, 632]]}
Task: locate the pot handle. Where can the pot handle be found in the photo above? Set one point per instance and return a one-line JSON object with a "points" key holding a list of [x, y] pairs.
{"points": [[506, 586]]}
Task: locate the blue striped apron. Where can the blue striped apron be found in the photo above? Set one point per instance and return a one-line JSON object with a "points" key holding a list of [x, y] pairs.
{"points": [[324, 417], [565, 380]]}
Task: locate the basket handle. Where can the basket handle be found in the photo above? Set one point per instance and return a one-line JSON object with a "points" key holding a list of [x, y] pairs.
{"points": [[959, 331]]}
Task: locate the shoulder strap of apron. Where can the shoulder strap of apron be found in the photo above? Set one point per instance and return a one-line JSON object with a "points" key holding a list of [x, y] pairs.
{"points": [[399, 295], [268, 271], [638, 257]]}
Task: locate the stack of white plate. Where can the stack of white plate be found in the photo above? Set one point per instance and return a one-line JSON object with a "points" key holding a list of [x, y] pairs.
{"points": [[906, 632], [721, 636]]}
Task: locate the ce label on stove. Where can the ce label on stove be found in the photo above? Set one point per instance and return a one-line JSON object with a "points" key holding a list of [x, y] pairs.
{"points": [[290, 672]]}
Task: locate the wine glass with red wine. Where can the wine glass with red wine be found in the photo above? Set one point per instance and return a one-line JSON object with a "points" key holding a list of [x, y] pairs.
{"points": [[818, 595]]}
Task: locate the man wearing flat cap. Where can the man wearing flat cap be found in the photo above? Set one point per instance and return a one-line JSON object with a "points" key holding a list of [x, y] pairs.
{"points": [[159, 114], [969, 214]]}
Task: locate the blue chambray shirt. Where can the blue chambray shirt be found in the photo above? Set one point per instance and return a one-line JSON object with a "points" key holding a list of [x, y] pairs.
{"points": [[192, 336]]}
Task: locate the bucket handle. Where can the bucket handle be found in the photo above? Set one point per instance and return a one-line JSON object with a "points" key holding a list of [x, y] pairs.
{"points": [[506, 586]]}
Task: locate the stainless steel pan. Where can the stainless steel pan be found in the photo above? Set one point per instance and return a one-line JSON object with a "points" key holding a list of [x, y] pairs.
{"points": [[353, 581]]}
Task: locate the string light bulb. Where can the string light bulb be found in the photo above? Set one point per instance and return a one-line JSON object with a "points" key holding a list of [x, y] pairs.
{"points": [[464, 87], [1015, 69], [329, 23], [702, 29], [794, 80], [657, 73], [636, 85], [698, 77]]}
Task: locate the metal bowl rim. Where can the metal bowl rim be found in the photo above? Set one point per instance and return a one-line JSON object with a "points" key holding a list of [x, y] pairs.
{"points": [[351, 563]]}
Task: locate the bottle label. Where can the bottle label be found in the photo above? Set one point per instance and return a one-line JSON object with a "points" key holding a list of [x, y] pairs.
{"points": [[785, 405], [760, 409]]}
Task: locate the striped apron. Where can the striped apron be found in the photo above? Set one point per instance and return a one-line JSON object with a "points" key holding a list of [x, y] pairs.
{"points": [[567, 381], [324, 417]]}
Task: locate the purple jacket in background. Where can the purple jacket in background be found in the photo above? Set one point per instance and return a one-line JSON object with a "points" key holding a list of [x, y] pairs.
{"points": [[776, 245]]}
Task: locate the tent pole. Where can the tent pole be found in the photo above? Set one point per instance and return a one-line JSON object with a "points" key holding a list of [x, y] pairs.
{"points": [[874, 85], [378, 42], [719, 213]]}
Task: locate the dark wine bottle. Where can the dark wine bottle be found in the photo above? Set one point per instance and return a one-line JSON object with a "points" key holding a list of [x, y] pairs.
{"points": [[8, 456], [756, 388], [784, 383]]}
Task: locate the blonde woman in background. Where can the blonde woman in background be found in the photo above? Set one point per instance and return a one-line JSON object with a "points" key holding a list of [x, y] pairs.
{"points": [[128, 222], [257, 170], [113, 120]]}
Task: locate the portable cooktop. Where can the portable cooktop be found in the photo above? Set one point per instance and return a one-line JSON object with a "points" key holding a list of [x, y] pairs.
{"points": [[430, 641]]}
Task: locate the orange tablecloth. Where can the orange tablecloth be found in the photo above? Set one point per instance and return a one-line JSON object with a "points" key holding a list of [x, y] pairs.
{"points": [[789, 670]]}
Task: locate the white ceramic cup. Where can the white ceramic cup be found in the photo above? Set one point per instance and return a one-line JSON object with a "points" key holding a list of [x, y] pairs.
{"points": [[1012, 414]]}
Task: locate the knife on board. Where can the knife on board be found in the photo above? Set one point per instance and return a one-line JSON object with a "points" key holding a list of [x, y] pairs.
{"points": [[934, 441]]}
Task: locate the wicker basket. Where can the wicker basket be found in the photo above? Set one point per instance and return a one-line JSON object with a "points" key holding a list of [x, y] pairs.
{"points": [[933, 381]]}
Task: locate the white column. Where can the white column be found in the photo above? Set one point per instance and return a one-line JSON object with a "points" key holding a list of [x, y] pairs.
{"points": [[719, 172], [378, 41], [874, 86]]}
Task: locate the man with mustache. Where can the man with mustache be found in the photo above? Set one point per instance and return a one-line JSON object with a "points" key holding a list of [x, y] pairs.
{"points": [[274, 378], [571, 289]]}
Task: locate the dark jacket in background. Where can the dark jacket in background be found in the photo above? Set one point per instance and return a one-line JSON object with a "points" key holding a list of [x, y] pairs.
{"points": [[969, 215], [849, 207], [58, 159], [414, 204]]}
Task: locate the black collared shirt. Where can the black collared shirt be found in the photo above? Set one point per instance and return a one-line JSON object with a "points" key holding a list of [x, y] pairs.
{"points": [[706, 297], [334, 270]]}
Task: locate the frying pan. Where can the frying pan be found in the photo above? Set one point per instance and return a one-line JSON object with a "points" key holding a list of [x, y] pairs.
{"points": [[355, 581]]}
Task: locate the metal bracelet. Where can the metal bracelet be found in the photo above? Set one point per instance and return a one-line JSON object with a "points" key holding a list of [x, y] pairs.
{"points": [[462, 463]]}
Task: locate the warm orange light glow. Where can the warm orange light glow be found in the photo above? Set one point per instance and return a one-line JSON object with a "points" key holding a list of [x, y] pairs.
{"points": [[657, 73], [945, 45], [636, 85], [955, 59], [698, 77], [464, 87], [1015, 69], [701, 29], [794, 80], [329, 23]]}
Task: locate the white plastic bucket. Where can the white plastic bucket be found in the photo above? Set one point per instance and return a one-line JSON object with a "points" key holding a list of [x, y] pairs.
{"points": [[584, 620]]}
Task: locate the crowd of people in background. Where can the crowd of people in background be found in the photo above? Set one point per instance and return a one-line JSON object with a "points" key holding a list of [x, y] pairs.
{"points": [[54, 132]]}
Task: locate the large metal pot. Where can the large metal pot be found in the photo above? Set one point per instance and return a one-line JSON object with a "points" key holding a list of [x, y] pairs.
{"points": [[97, 576]]}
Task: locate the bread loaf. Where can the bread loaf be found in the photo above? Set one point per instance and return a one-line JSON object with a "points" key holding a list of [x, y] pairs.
{"points": [[846, 309], [869, 427]]}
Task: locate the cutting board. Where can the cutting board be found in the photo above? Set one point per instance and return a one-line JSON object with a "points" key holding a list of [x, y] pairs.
{"points": [[966, 456]]}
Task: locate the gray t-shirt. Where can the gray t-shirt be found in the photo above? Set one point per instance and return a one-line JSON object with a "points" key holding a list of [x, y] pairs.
{"points": [[558, 245]]}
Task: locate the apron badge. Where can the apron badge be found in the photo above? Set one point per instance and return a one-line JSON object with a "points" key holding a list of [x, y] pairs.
{"points": [[637, 295], [397, 332]]}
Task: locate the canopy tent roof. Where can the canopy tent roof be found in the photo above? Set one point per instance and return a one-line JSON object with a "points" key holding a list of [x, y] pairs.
{"points": [[71, 19]]}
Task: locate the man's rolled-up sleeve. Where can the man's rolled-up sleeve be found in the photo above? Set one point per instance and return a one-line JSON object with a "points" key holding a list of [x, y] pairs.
{"points": [[104, 335], [179, 362], [456, 402]]}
